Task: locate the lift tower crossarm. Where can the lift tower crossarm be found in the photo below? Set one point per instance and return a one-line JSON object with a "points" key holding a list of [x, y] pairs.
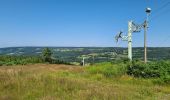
{"points": [[132, 28]]}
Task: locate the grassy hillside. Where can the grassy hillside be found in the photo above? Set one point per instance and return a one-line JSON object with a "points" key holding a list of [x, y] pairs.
{"points": [[104, 81]]}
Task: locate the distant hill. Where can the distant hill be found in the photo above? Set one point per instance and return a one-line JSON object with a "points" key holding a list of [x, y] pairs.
{"points": [[92, 54]]}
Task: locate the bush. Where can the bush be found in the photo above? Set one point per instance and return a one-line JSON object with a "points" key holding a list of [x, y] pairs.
{"points": [[159, 69], [23, 60], [10, 63], [122, 60], [143, 70], [1, 63], [55, 61], [19, 60]]}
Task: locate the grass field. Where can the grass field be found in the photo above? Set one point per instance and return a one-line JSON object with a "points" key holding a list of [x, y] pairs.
{"points": [[66, 82]]}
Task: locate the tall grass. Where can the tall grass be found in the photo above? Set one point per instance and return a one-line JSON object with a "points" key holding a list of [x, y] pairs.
{"points": [[60, 82], [108, 69]]}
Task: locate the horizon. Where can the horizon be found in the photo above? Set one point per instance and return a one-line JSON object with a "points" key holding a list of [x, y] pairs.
{"points": [[80, 23], [71, 47]]}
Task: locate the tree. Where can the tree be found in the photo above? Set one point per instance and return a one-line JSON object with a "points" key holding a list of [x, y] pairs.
{"points": [[47, 55]]}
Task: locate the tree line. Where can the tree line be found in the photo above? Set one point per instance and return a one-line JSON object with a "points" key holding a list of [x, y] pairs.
{"points": [[45, 57]]}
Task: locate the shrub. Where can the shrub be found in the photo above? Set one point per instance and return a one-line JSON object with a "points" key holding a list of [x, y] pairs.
{"points": [[140, 69], [19, 60], [23, 60], [159, 69], [10, 63], [1, 63], [55, 61]]}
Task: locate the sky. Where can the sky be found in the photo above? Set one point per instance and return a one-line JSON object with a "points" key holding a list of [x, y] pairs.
{"points": [[77, 23]]}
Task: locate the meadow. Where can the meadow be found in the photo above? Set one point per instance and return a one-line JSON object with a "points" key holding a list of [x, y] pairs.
{"points": [[103, 81]]}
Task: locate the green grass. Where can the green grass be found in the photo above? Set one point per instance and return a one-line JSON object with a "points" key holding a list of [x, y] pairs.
{"points": [[61, 82], [107, 69]]}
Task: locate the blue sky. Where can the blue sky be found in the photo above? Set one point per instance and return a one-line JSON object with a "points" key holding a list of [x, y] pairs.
{"points": [[80, 22]]}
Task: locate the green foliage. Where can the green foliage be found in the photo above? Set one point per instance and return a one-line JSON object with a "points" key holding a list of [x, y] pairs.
{"points": [[122, 60], [107, 69], [19, 60], [55, 61], [157, 69], [24, 60], [1, 63], [47, 55]]}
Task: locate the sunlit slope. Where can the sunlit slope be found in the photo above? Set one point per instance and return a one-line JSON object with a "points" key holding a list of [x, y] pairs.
{"points": [[64, 82]]}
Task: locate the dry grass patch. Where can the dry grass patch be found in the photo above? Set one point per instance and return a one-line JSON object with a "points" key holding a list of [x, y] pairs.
{"points": [[63, 82]]}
